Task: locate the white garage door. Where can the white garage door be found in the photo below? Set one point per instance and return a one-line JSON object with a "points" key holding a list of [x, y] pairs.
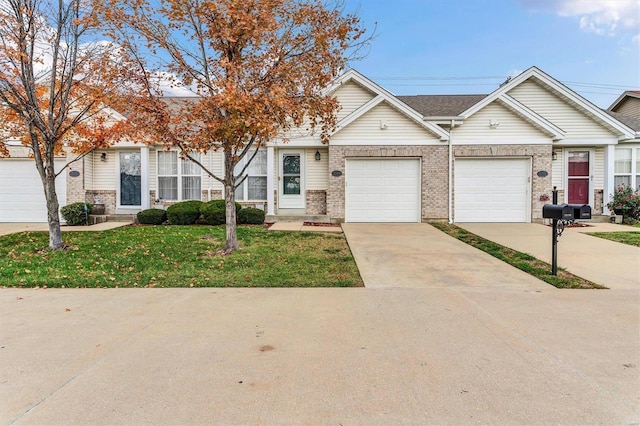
{"points": [[492, 190], [21, 193], [382, 190]]}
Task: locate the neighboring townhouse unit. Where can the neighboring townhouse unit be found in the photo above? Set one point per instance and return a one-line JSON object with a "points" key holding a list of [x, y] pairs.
{"points": [[462, 158]]}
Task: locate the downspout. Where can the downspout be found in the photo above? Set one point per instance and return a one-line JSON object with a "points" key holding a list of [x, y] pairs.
{"points": [[453, 124]]}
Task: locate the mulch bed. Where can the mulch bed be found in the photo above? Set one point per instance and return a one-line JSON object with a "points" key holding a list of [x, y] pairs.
{"points": [[321, 224]]}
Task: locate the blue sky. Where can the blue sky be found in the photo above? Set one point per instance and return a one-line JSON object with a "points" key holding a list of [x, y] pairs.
{"points": [[450, 46]]}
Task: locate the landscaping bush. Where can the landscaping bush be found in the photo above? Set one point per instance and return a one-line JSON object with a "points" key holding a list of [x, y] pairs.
{"points": [[251, 216], [152, 217], [75, 213], [625, 201], [214, 212], [184, 213]]}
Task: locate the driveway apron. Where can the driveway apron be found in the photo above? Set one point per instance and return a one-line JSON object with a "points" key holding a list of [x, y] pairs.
{"points": [[419, 256]]}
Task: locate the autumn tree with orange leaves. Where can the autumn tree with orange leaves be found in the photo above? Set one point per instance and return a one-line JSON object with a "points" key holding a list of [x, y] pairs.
{"points": [[258, 68], [54, 88]]}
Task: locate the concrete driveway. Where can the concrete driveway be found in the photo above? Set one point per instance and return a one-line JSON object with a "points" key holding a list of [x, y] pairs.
{"points": [[416, 255]]}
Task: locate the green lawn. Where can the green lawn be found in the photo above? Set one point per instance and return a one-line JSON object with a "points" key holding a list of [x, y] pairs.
{"points": [[631, 238], [522, 261], [178, 256]]}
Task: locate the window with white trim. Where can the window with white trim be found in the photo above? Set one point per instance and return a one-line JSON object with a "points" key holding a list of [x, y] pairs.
{"points": [[254, 188], [178, 178], [627, 167]]}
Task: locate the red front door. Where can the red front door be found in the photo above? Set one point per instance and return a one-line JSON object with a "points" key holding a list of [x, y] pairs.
{"points": [[579, 177]]}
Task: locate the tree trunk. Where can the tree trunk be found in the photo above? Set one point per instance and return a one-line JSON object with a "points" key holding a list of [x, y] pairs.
{"points": [[230, 202], [53, 217]]}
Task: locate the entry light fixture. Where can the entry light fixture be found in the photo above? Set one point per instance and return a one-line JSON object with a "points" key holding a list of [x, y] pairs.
{"points": [[554, 156], [103, 156], [494, 124], [318, 155]]}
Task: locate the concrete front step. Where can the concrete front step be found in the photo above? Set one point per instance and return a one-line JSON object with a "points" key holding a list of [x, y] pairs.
{"points": [[303, 218]]}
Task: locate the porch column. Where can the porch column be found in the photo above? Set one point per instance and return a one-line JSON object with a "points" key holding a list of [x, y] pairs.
{"points": [[609, 185], [270, 180], [144, 177]]}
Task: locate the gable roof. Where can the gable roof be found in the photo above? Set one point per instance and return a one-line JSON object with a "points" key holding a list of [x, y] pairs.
{"points": [[624, 97], [382, 95], [563, 90], [441, 105]]}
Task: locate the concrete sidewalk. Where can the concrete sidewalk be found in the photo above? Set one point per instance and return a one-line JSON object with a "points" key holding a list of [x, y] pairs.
{"points": [[614, 265], [455, 355], [14, 228]]}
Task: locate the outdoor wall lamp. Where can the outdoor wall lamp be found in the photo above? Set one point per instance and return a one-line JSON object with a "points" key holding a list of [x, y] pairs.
{"points": [[317, 155], [554, 156], [103, 156]]}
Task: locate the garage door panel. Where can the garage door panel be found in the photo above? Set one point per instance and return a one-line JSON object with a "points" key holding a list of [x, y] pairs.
{"points": [[382, 190], [492, 190], [21, 193]]}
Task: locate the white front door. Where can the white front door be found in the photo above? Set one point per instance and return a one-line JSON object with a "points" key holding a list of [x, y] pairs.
{"points": [[291, 191]]}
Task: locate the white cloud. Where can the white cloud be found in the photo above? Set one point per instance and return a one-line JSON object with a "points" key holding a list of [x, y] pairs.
{"points": [[602, 17]]}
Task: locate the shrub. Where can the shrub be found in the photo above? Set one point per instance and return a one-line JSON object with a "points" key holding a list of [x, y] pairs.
{"points": [[625, 201], [152, 217], [251, 216], [75, 213], [184, 213], [214, 212]]}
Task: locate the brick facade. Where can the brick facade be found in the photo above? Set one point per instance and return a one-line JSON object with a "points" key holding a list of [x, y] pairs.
{"points": [[75, 184], [316, 202], [106, 197]]}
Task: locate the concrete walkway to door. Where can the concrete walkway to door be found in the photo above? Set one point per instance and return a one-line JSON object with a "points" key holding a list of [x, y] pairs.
{"points": [[614, 265], [416, 255]]}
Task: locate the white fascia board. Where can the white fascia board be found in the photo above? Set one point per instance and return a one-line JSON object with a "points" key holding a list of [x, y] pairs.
{"points": [[386, 96], [532, 116], [587, 142]]}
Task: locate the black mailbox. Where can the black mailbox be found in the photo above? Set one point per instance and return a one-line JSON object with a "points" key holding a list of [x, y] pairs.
{"points": [[581, 211], [557, 211]]}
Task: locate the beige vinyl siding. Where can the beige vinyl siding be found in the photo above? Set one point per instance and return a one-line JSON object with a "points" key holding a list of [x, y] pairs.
{"points": [[557, 169], [215, 160], [399, 128], [598, 169], [104, 172], [88, 170], [351, 96], [573, 122], [512, 127], [630, 106], [317, 176]]}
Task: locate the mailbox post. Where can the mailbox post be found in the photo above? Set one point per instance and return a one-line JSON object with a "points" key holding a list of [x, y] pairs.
{"points": [[565, 212]]}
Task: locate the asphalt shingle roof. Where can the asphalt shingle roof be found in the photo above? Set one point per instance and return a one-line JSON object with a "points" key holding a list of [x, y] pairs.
{"points": [[632, 122], [441, 105]]}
